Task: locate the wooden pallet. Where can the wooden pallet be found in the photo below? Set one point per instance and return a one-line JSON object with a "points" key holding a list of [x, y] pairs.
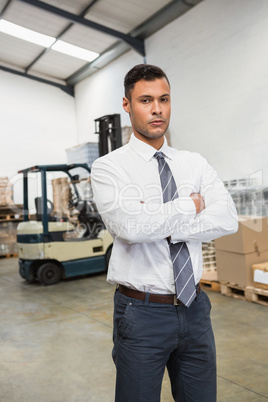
{"points": [[11, 212], [8, 217], [248, 293], [210, 285], [209, 280], [235, 291], [9, 255], [257, 295]]}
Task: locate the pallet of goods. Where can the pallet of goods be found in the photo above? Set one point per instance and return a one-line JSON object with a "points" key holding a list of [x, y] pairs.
{"points": [[209, 280], [260, 275], [8, 239], [242, 261], [6, 191], [259, 292], [10, 215], [61, 196]]}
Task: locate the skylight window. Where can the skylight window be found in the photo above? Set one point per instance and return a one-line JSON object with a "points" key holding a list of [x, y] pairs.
{"points": [[74, 51], [46, 41], [25, 34]]}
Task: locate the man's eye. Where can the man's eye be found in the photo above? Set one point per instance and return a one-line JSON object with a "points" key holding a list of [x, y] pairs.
{"points": [[145, 100], [164, 99]]}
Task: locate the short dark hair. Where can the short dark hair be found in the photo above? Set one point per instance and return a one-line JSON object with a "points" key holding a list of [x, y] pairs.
{"points": [[139, 72]]}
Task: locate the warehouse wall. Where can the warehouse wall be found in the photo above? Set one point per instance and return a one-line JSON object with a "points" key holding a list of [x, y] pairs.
{"points": [[38, 123], [217, 61]]}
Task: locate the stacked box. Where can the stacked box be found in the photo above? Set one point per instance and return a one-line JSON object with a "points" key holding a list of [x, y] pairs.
{"points": [[6, 191], [8, 238], [61, 196], [260, 275], [236, 253]]}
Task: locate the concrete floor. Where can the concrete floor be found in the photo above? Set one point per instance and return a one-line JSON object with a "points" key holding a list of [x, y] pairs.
{"points": [[55, 342]]}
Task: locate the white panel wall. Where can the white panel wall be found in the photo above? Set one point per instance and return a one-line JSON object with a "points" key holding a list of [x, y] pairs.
{"points": [[38, 123], [217, 61]]}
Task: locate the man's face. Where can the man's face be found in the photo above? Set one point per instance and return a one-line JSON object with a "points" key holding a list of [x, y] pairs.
{"points": [[149, 110]]}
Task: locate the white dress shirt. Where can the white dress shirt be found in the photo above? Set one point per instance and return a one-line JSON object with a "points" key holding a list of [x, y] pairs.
{"points": [[128, 194]]}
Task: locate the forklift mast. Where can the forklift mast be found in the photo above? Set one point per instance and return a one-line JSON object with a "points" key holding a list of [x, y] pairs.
{"points": [[109, 129]]}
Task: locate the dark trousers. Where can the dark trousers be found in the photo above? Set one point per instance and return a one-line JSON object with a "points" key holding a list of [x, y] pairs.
{"points": [[150, 336]]}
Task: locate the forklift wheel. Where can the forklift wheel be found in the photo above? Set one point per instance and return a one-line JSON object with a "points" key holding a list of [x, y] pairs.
{"points": [[49, 274]]}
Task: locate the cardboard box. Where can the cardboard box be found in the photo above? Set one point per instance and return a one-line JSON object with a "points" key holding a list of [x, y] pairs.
{"points": [[235, 254], [236, 268], [260, 275], [251, 237]]}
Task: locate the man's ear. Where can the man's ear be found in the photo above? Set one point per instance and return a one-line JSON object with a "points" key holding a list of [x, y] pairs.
{"points": [[126, 104]]}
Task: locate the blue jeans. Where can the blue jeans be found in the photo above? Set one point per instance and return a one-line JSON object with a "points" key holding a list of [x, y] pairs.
{"points": [[150, 336]]}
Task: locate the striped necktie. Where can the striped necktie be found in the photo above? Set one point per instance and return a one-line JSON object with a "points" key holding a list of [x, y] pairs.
{"points": [[180, 256]]}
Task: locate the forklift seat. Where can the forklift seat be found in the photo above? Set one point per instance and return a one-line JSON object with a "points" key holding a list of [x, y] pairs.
{"points": [[39, 208]]}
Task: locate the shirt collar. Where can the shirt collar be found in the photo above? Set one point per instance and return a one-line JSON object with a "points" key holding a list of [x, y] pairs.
{"points": [[146, 151]]}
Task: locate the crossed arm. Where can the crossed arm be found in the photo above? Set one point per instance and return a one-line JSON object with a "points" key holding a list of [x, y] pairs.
{"points": [[193, 218]]}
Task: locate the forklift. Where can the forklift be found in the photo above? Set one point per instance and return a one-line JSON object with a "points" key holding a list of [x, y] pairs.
{"points": [[48, 248]]}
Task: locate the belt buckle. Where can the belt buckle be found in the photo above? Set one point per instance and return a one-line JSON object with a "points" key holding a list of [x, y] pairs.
{"points": [[176, 301]]}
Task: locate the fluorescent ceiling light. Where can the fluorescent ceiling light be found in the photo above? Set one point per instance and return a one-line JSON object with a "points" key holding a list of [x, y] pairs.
{"points": [[25, 34], [46, 41], [74, 51]]}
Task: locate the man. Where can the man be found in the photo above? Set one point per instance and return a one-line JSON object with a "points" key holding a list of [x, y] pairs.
{"points": [[153, 199]]}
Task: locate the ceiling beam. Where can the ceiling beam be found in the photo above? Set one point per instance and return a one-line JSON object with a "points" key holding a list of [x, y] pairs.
{"points": [[136, 43], [164, 16], [116, 50], [66, 88], [4, 9]]}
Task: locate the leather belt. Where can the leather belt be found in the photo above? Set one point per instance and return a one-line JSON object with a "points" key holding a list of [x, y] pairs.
{"points": [[153, 297]]}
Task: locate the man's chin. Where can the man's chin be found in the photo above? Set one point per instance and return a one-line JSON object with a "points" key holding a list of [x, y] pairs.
{"points": [[156, 133], [156, 136], [150, 136]]}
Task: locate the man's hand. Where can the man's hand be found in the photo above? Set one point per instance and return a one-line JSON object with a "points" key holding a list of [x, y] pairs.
{"points": [[199, 202]]}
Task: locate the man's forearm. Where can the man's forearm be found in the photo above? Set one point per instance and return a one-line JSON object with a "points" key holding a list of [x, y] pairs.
{"points": [[198, 201], [146, 226], [214, 221]]}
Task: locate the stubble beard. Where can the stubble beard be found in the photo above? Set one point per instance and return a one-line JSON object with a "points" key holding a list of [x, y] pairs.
{"points": [[152, 136]]}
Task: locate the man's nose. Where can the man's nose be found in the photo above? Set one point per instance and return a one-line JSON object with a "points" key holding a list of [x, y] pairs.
{"points": [[156, 108]]}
